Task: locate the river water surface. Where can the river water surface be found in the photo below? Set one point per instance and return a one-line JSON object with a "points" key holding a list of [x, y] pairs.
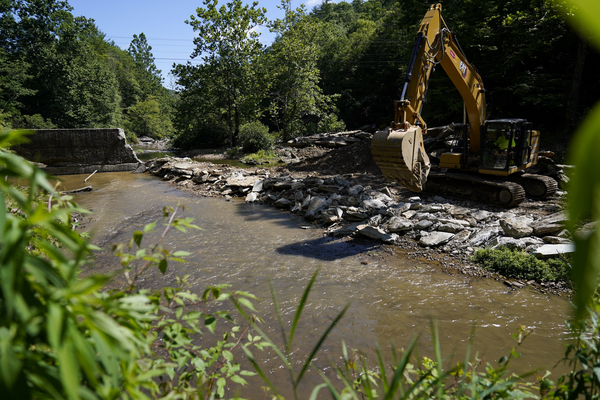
{"points": [[246, 245]]}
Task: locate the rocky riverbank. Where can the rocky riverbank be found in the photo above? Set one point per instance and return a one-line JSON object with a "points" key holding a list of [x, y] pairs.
{"points": [[332, 181]]}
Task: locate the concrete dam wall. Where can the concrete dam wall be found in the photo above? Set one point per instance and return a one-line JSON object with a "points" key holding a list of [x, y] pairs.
{"points": [[79, 151]]}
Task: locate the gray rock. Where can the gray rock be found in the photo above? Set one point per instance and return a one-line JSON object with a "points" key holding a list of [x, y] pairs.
{"points": [[373, 204], [355, 190], [432, 208], [305, 202], [550, 224], [251, 197], [354, 201], [532, 241], [354, 215], [556, 240], [375, 220], [544, 229], [315, 204], [376, 233], [283, 203], [409, 214], [461, 222], [456, 210], [313, 182], [481, 215], [508, 242], [342, 182], [329, 218], [422, 225], [550, 250], [435, 239], [329, 188], [397, 224], [460, 238], [517, 228], [481, 237], [373, 194], [449, 227], [242, 181], [346, 230], [258, 185]]}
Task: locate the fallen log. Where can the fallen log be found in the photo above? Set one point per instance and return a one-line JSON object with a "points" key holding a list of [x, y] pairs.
{"points": [[83, 189]]}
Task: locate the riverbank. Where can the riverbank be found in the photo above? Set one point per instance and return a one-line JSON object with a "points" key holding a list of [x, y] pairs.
{"points": [[336, 185]]}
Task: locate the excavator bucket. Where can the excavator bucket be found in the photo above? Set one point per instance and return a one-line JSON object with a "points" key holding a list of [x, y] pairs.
{"points": [[400, 155]]}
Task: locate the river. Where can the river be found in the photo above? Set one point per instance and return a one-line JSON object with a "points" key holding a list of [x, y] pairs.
{"points": [[392, 298]]}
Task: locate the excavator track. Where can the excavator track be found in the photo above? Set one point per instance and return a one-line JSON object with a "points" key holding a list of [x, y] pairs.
{"points": [[475, 187], [536, 186]]}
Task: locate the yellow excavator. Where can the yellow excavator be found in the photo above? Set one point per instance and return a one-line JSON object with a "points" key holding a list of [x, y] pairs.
{"points": [[495, 152]]}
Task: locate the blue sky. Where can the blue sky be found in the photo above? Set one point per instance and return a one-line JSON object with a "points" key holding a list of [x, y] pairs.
{"points": [[162, 21]]}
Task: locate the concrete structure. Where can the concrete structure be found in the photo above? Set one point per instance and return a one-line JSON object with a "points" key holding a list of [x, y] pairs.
{"points": [[79, 151]]}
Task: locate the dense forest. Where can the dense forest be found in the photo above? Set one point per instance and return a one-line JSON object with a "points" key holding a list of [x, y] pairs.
{"points": [[337, 66]]}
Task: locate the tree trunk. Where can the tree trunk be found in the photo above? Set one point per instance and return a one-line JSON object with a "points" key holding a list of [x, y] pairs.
{"points": [[573, 99]]}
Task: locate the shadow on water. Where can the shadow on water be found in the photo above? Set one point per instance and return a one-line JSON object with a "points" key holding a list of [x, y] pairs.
{"points": [[327, 248], [323, 248]]}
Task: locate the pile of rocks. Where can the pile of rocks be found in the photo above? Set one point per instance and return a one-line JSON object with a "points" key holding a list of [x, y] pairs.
{"points": [[344, 207], [330, 140]]}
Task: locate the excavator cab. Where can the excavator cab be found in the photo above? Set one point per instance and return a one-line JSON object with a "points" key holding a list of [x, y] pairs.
{"points": [[506, 146]]}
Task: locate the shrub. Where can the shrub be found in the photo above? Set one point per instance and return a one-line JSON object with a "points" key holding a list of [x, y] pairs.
{"points": [[62, 335], [35, 121], [255, 136], [520, 265], [331, 124]]}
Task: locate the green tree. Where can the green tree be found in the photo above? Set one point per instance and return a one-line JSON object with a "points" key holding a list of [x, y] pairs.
{"points": [[73, 84], [228, 43], [199, 114], [295, 93], [13, 80], [148, 75], [146, 119]]}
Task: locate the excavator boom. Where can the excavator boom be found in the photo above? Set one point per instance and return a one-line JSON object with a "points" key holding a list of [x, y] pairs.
{"points": [[399, 151], [509, 145]]}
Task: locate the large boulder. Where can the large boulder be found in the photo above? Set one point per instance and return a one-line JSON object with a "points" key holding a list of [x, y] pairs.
{"points": [[517, 228], [435, 239]]}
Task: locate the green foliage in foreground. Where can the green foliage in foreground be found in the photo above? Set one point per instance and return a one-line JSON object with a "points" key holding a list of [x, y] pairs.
{"points": [[521, 265], [584, 185], [65, 336]]}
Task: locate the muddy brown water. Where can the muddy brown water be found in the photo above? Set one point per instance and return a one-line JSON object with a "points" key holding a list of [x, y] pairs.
{"points": [[246, 245]]}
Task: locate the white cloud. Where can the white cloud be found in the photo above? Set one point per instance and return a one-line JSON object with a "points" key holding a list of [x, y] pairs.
{"points": [[311, 3]]}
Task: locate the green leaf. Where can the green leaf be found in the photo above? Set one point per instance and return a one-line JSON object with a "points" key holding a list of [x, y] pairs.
{"points": [[137, 237], [221, 382], [587, 17], [239, 379], [162, 265], [301, 307], [246, 303], [69, 372], [228, 355], [181, 253], [584, 203], [149, 227]]}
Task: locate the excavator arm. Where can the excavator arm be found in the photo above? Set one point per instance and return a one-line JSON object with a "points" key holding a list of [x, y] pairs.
{"points": [[399, 150]]}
